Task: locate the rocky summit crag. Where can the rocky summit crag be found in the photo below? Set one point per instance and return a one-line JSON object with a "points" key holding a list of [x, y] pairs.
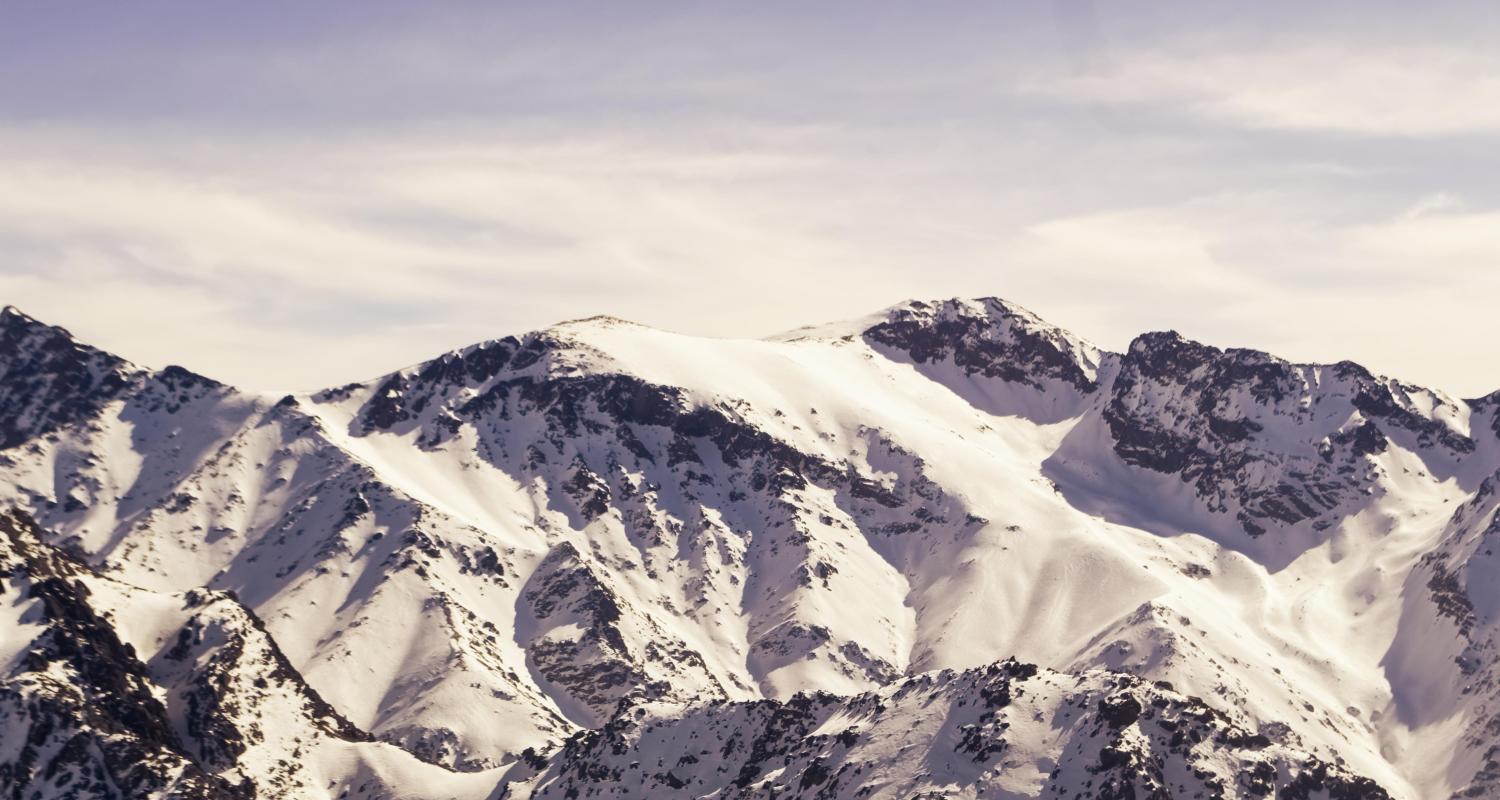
{"points": [[947, 551]]}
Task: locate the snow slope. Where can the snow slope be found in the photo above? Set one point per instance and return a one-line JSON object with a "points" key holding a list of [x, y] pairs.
{"points": [[493, 559], [87, 711]]}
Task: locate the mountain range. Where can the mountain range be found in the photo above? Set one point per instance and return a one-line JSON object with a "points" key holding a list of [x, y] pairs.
{"points": [[945, 551]]}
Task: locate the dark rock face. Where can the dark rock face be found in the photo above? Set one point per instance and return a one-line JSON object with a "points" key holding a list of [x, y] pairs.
{"points": [[1488, 407], [1450, 597], [609, 406], [1458, 576], [83, 713], [48, 380], [1120, 738], [173, 388], [78, 710], [1201, 413], [402, 397], [1386, 401], [987, 337], [217, 641], [613, 660], [224, 670]]}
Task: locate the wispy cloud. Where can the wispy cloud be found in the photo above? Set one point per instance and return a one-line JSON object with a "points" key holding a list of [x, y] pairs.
{"points": [[1371, 90], [466, 240], [297, 200]]}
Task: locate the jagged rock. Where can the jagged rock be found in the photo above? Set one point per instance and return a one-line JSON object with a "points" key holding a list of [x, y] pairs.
{"points": [[1218, 420], [972, 734]]}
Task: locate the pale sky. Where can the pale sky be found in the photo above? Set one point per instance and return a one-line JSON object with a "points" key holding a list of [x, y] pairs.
{"points": [[295, 195]]}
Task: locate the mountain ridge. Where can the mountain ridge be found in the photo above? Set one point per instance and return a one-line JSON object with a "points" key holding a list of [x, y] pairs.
{"points": [[480, 558], [854, 327]]}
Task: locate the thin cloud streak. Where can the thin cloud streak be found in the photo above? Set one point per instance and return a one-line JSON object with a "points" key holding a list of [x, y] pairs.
{"points": [[1399, 92]]}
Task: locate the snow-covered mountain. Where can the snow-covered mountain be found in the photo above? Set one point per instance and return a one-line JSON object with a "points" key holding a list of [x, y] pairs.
{"points": [[948, 550]]}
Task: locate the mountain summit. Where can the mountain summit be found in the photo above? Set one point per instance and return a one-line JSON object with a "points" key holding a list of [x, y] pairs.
{"points": [[948, 550]]}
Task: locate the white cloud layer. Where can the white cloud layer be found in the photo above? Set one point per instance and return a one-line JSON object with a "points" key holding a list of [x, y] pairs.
{"points": [[332, 202]]}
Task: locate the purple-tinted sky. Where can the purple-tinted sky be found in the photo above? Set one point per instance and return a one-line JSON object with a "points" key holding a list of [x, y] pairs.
{"points": [[288, 195]]}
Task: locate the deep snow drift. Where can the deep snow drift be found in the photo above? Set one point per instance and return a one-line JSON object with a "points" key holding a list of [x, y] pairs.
{"points": [[606, 557]]}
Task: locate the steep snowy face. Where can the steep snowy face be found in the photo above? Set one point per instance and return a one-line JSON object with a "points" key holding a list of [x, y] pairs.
{"points": [[1443, 662], [645, 497], [1271, 442], [179, 483], [78, 717], [49, 381], [100, 697], [102, 437], [1487, 409]]}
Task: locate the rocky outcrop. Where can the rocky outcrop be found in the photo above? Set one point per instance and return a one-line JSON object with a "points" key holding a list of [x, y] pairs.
{"points": [[979, 733], [991, 338], [1271, 442], [78, 714], [598, 650], [49, 380]]}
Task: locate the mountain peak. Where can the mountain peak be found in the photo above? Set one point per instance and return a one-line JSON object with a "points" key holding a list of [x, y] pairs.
{"points": [[10, 316], [1152, 340], [991, 307], [990, 337], [48, 378], [16, 326], [599, 321]]}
